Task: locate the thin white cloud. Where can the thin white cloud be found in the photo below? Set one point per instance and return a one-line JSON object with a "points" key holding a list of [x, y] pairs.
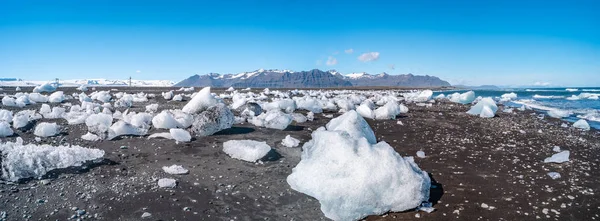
{"points": [[331, 61], [349, 51], [369, 56], [392, 66], [138, 71], [542, 83]]}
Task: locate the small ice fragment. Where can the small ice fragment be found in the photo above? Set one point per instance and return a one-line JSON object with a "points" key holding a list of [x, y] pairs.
{"points": [[420, 154], [554, 175], [175, 169], [558, 157], [167, 183]]}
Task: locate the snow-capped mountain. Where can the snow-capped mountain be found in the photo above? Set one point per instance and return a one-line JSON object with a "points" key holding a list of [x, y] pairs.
{"points": [[308, 79], [89, 82]]}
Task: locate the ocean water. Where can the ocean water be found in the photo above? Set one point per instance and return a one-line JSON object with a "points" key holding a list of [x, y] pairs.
{"points": [[581, 103]]}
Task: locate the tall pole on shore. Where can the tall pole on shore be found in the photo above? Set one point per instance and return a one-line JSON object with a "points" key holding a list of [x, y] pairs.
{"points": [[129, 81], [57, 82]]}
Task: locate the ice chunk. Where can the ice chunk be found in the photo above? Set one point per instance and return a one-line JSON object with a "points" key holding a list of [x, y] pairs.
{"points": [[309, 104], [353, 178], [56, 97], [509, 96], [464, 98], [202, 101], [166, 135], [45, 129], [289, 141], [420, 154], [167, 183], [24, 161], [38, 98], [98, 123], [247, 150], [9, 101], [214, 119], [310, 116], [167, 95], [6, 116], [556, 113], [5, 129], [152, 108], [230, 89], [387, 111], [123, 128], [57, 112], [554, 175], [184, 119], [46, 87], [556, 149], [423, 96], [581, 124], [252, 107], [75, 117], [178, 97], [272, 119], [175, 169], [485, 108], [141, 120], [365, 111], [91, 137], [353, 124], [560, 157], [180, 135], [299, 118], [165, 120], [82, 88]]}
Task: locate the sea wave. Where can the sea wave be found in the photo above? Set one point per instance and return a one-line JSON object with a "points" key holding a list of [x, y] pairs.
{"points": [[537, 96]]}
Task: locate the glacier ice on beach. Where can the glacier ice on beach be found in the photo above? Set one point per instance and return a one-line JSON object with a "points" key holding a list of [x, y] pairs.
{"points": [[289, 141], [554, 175], [200, 102], [556, 113], [389, 111], [560, 157], [272, 119], [123, 128], [212, 120], [152, 108], [91, 137], [353, 124], [581, 124], [365, 111], [56, 97], [180, 135], [46, 87], [99, 123], [5, 129], [167, 183], [165, 120], [6, 116], [509, 96], [353, 178], [21, 161], [167, 95], [485, 108], [45, 129], [464, 98], [175, 169], [247, 150]]}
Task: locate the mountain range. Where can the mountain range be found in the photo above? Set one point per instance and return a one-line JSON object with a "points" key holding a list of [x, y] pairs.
{"points": [[309, 79]]}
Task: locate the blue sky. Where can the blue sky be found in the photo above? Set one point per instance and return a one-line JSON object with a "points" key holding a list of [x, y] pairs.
{"points": [[469, 42]]}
